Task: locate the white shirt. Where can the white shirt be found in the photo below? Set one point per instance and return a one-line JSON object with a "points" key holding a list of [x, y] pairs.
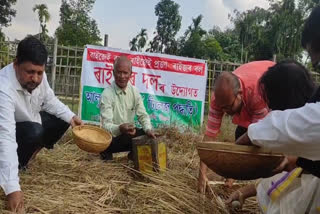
{"points": [[18, 105], [292, 132]]}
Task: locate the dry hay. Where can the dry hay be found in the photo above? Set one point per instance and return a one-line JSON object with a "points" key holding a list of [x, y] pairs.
{"points": [[67, 180]]}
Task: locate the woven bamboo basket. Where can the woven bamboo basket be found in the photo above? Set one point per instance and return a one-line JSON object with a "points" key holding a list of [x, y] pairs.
{"points": [[91, 138], [237, 161]]}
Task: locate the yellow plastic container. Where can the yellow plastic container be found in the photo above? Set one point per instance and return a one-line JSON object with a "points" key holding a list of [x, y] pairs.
{"points": [[149, 154]]}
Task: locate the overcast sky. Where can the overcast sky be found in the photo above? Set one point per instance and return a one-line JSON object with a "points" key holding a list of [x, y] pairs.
{"points": [[123, 19]]}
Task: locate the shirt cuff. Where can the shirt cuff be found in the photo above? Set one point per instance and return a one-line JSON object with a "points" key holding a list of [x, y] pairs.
{"points": [[113, 129], [67, 117], [251, 133], [147, 127], [10, 187]]}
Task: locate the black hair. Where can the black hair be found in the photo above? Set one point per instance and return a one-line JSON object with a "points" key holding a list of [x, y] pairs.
{"points": [[286, 85], [311, 30], [30, 49]]}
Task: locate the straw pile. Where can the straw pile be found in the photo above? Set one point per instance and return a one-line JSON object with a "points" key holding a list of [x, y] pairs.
{"points": [[68, 180]]}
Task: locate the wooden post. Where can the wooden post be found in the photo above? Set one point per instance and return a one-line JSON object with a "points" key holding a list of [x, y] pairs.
{"points": [[53, 68], [209, 82], [106, 38], [275, 57]]}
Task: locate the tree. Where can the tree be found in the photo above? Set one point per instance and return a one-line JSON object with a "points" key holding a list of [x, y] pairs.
{"points": [[142, 39], [229, 43], [168, 25], [6, 15], [276, 31], [139, 41], [6, 12], [195, 27], [2, 36], [192, 44], [133, 44], [284, 27], [212, 48], [250, 26], [44, 17], [76, 27]]}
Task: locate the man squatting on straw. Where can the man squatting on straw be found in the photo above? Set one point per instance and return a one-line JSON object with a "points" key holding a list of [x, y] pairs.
{"points": [[31, 116]]}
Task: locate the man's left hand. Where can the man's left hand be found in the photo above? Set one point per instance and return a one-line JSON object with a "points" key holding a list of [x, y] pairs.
{"points": [[76, 121], [151, 134]]}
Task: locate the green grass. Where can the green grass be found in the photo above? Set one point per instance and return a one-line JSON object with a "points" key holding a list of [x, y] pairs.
{"points": [[227, 129]]}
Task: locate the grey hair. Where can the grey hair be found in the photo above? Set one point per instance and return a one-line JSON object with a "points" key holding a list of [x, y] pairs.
{"points": [[120, 59]]}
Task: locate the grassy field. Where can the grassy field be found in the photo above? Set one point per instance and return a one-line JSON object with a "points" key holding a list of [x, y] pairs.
{"points": [[69, 180]]}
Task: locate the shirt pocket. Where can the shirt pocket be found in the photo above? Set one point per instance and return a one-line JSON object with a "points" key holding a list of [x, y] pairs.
{"points": [[130, 107], [37, 103]]}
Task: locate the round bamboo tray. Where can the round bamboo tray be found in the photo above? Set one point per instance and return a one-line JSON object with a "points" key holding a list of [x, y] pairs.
{"points": [[91, 138], [237, 161]]}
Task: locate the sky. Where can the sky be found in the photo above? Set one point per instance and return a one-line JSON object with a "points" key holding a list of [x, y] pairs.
{"points": [[123, 19]]}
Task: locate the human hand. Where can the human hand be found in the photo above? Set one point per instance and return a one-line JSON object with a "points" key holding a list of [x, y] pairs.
{"points": [[288, 164], [244, 140], [235, 198], [229, 182], [15, 202], [76, 121], [127, 128], [151, 134]]}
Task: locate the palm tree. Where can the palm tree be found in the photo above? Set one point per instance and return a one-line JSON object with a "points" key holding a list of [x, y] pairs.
{"points": [[142, 38], [44, 17], [133, 44]]}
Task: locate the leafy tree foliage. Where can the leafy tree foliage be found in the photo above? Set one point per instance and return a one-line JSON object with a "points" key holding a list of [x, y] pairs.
{"points": [[133, 44], [44, 17], [198, 44], [168, 25], [77, 28], [139, 41], [6, 12]]}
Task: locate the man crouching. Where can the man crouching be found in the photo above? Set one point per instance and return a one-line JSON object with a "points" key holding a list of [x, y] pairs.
{"points": [[31, 116], [120, 103]]}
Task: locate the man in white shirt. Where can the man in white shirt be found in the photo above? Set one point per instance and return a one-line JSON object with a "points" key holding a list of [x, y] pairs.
{"points": [[295, 131], [31, 116]]}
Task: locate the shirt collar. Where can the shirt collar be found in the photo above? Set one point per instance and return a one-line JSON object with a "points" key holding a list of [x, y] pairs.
{"points": [[120, 90], [15, 81]]}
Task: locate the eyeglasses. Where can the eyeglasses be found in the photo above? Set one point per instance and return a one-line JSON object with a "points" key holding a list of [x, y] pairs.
{"points": [[230, 107]]}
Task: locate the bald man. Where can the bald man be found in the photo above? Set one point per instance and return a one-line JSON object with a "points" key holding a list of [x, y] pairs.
{"points": [[120, 103], [237, 95]]}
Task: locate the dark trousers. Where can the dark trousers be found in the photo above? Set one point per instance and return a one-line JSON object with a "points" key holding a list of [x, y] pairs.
{"points": [[310, 166], [122, 143], [32, 136], [240, 131], [315, 97]]}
